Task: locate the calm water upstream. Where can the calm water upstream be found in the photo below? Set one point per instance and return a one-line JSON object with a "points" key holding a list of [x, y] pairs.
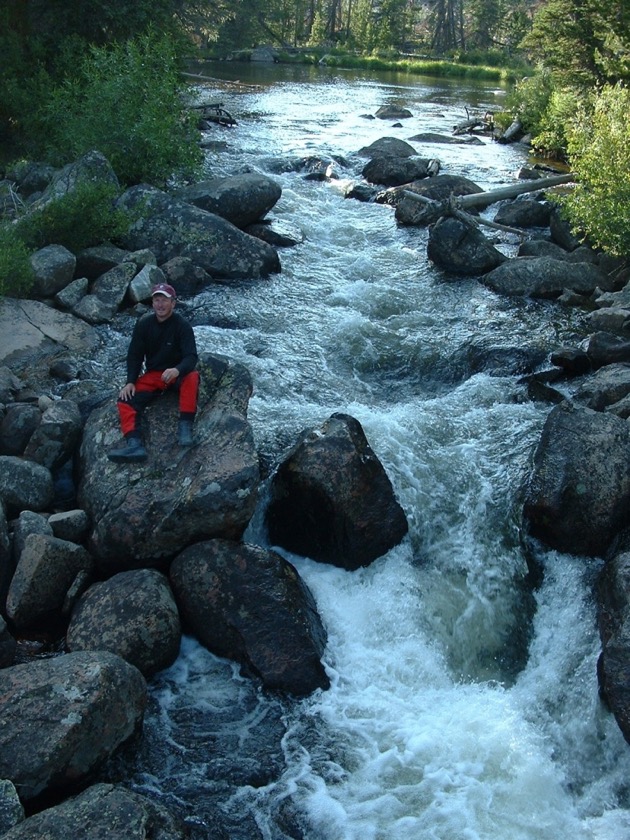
{"points": [[460, 708]]}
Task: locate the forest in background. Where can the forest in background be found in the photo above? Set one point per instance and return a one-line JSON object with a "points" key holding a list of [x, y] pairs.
{"points": [[83, 74]]}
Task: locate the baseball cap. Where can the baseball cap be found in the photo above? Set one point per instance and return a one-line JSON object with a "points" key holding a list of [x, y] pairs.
{"points": [[164, 289]]}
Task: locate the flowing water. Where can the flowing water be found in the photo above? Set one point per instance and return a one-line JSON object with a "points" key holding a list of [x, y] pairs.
{"points": [[462, 705]]}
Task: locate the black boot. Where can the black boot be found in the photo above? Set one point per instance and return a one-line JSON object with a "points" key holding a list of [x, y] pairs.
{"points": [[132, 452], [184, 433]]}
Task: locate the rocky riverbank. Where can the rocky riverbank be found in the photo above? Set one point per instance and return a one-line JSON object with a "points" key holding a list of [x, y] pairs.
{"points": [[103, 567]]}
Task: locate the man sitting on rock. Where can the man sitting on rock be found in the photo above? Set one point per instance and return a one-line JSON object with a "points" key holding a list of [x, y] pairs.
{"points": [[163, 341]]}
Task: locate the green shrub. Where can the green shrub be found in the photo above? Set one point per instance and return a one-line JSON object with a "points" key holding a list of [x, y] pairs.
{"points": [[16, 272], [529, 99], [83, 217], [551, 140], [127, 101], [599, 154]]}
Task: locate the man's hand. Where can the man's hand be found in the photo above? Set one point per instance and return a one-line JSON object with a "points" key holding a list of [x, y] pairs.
{"points": [[127, 392], [170, 375]]}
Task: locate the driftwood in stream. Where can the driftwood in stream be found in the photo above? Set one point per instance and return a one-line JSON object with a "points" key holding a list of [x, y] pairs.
{"points": [[457, 204]]}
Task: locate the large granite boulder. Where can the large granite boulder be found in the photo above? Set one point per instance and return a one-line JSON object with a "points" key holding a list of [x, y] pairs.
{"points": [[171, 228], [578, 496], [143, 514], [45, 572], [613, 668], [33, 332], [438, 188], [461, 248], [332, 500], [132, 614], [544, 277], [241, 199], [62, 717], [102, 811], [249, 604], [57, 435], [24, 485], [53, 267], [388, 147]]}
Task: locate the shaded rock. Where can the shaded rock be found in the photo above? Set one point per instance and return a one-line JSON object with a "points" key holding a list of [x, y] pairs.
{"points": [[54, 440], [8, 647], [54, 268], [102, 812], [394, 171], [280, 235], [362, 192], [331, 499], [578, 495], [92, 167], [524, 213], [70, 296], [45, 571], [95, 261], [604, 387], [187, 277], [17, 426], [111, 287], [561, 232], [172, 228], [248, 604], [144, 513], [25, 485], [573, 361], [446, 139], [603, 348], [461, 248], [82, 706], [388, 147], [241, 199], [69, 525], [132, 614], [11, 810], [613, 616], [610, 319], [94, 311], [7, 564], [543, 277], [9, 384], [393, 112], [438, 188]]}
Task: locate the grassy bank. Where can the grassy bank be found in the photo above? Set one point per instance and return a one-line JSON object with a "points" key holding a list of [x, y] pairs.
{"points": [[464, 66]]}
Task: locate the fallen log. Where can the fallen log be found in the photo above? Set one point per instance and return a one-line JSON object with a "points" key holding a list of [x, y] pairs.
{"points": [[511, 133], [435, 209]]}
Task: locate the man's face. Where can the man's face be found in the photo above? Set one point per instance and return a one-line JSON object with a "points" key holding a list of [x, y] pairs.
{"points": [[163, 307]]}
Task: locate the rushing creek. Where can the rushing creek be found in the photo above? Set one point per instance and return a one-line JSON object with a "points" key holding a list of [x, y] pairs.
{"points": [[462, 707]]}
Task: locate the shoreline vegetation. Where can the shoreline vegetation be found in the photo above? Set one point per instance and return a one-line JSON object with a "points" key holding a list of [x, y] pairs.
{"points": [[470, 66]]}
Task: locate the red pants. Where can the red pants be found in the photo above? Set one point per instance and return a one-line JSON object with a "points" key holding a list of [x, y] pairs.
{"points": [[149, 386]]}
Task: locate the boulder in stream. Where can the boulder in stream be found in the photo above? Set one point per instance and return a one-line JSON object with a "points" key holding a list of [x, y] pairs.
{"points": [[249, 604], [461, 248], [578, 496], [331, 499], [143, 514]]}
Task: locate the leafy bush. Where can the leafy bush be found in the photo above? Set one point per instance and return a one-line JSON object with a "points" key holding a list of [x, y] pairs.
{"points": [[127, 101], [83, 217], [529, 99], [551, 140], [16, 272], [599, 153]]}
